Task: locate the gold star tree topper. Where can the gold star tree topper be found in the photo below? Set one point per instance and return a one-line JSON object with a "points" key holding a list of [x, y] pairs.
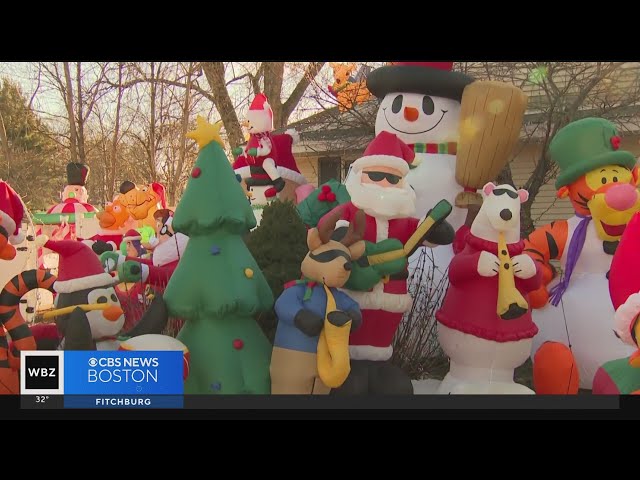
{"points": [[205, 133]]}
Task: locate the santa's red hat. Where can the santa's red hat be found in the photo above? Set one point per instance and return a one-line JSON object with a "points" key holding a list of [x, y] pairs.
{"points": [[132, 235], [159, 189], [11, 213], [386, 150], [624, 281], [79, 267]]}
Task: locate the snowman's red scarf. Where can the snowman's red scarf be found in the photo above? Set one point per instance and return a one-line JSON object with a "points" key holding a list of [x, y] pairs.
{"points": [[492, 247], [447, 148]]}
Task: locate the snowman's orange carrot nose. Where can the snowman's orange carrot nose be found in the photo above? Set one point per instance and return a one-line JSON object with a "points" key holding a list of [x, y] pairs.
{"points": [[411, 114]]}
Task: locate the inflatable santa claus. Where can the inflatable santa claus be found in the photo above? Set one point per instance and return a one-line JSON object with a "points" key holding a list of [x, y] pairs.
{"points": [[378, 186], [621, 376]]}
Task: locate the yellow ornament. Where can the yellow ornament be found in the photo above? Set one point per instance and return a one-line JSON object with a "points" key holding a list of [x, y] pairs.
{"points": [[248, 273], [205, 133]]}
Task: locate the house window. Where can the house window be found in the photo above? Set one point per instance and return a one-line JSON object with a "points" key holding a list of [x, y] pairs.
{"points": [[329, 168]]}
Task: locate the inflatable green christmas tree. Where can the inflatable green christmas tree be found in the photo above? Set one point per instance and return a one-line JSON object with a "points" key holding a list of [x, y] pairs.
{"points": [[218, 287]]}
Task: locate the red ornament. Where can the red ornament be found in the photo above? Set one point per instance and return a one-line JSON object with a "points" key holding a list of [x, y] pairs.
{"points": [[331, 197], [238, 344], [322, 197], [195, 173], [326, 189], [615, 142]]}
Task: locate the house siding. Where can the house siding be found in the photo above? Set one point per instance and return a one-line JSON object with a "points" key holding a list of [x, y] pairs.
{"points": [[546, 206]]}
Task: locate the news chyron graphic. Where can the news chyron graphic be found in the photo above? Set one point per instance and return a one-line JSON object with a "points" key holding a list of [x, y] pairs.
{"points": [[106, 379]]}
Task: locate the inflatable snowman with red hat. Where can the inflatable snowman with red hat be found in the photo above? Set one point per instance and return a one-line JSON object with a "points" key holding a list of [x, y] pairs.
{"points": [[421, 103], [266, 163]]}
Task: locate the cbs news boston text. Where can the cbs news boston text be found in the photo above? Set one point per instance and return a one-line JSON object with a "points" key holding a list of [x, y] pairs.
{"points": [[96, 379]]}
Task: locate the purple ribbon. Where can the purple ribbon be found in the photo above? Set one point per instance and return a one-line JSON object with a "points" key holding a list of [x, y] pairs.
{"points": [[575, 248]]}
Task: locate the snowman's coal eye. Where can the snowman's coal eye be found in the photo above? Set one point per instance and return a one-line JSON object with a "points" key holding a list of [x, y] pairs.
{"points": [[428, 106], [397, 104], [114, 298], [102, 299]]}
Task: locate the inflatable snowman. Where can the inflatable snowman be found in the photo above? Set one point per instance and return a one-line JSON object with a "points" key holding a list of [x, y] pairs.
{"points": [[421, 105]]}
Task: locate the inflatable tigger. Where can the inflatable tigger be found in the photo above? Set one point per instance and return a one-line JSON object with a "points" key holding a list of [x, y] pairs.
{"points": [[573, 307], [14, 324]]}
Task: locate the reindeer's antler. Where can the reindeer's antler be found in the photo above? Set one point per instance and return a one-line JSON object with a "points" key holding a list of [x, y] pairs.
{"points": [[328, 224], [355, 231]]}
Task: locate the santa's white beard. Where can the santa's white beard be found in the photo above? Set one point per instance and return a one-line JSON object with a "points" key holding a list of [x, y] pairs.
{"points": [[170, 250], [381, 202]]}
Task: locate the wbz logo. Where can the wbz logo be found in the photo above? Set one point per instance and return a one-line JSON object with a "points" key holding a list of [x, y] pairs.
{"points": [[41, 373]]}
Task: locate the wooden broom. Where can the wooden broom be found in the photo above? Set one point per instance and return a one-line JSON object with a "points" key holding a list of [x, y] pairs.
{"points": [[491, 117]]}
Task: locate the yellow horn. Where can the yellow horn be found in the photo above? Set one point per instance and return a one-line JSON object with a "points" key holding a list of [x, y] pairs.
{"points": [[511, 303], [333, 359]]}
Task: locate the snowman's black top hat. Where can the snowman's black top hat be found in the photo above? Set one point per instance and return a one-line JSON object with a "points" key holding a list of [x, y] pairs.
{"points": [[427, 78], [77, 174]]}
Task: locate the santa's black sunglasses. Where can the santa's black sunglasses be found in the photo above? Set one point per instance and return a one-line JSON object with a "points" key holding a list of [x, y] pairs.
{"points": [[380, 176]]}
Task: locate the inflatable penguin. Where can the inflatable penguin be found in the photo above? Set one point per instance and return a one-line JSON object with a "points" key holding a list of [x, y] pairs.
{"points": [[87, 310]]}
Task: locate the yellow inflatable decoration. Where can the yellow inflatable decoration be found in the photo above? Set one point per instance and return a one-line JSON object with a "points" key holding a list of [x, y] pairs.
{"points": [[333, 348], [349, 90]]}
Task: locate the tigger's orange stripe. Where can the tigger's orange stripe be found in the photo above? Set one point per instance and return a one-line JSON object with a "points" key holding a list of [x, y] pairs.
{"points": [[14, 322], [548, 243], [9, 287], [27, 343], [11, 317]]}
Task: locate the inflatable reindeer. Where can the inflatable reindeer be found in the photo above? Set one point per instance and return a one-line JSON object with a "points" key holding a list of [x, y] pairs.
{"points": [[311, 347]]}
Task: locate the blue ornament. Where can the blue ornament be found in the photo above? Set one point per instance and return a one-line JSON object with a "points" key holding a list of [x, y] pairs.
{"points": [[215, 250], [216, 386]]}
